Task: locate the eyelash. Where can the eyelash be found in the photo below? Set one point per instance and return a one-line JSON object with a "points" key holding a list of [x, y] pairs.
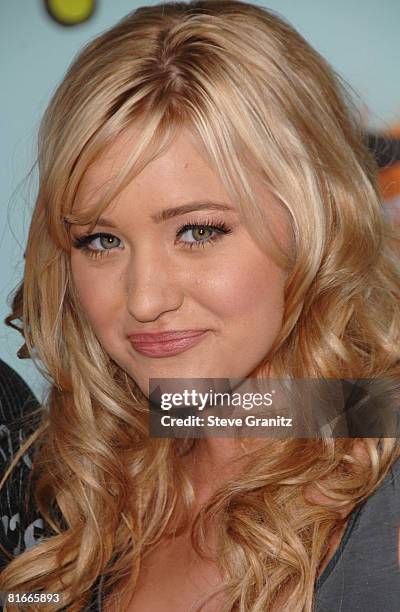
{"points": [[219, 227]]}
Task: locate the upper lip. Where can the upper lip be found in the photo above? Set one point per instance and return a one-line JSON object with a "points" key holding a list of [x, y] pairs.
{"points": [[150, 337]]}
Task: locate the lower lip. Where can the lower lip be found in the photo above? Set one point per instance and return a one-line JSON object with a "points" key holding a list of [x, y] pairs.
{"points": [[167, 348]]}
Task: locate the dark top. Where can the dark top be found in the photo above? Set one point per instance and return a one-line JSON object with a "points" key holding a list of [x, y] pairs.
{"points": [[362, 576], [20, 525]]}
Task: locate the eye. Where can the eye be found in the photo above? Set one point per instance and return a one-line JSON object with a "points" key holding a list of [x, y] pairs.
{"points": [[200, 234], [96, 244], [197, 234], [104, 242]]}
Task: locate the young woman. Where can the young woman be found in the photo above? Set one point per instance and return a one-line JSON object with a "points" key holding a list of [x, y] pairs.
{"points": [[206, 210]]}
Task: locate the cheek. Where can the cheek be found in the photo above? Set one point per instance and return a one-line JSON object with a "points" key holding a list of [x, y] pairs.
{"points": [[246, 291], [97, 295]]}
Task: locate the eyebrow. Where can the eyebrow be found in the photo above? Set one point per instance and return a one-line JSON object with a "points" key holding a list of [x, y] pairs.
{"points": [[169, 213]]}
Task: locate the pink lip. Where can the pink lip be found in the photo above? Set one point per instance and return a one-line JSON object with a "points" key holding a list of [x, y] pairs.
{"points": [[165, 344]]}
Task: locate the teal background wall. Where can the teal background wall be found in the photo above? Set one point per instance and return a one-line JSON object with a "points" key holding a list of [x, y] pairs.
{"points": [[360, 39]]}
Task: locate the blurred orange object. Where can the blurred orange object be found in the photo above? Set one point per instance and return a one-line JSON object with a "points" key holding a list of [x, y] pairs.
{"points": [[389, 181]]}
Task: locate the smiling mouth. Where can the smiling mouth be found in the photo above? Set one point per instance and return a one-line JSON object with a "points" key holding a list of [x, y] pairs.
{"points": [[165, 345]]}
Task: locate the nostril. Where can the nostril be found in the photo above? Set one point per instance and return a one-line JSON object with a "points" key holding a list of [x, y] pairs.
{"points": [[147, 302]]}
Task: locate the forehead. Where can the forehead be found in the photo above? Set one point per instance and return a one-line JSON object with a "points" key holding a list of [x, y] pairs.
{"points": [[180, 174], [182, 171]]}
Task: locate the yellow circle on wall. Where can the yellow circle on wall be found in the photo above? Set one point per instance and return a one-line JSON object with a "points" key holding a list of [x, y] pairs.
{"points": [[70, 12]]}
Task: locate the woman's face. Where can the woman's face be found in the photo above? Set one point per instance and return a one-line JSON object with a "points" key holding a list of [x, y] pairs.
{"points": [[171, 254]]}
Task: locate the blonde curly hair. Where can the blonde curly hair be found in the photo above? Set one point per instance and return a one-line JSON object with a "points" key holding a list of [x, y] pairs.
{"points": [[261, 101]]}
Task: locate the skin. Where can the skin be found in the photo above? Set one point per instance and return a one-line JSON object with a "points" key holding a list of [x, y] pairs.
{"points": [[152, 281]]}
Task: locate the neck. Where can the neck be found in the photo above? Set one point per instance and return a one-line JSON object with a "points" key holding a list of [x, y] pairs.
{"points": [[211, 463]]}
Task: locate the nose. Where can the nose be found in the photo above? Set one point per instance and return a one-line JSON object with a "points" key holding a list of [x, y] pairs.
{"points": [[153, 287]]}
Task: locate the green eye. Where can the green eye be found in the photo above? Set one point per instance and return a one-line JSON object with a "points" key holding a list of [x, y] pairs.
{"points": [[108, 242], [197, 233], [200, 233], [97, 243]]}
